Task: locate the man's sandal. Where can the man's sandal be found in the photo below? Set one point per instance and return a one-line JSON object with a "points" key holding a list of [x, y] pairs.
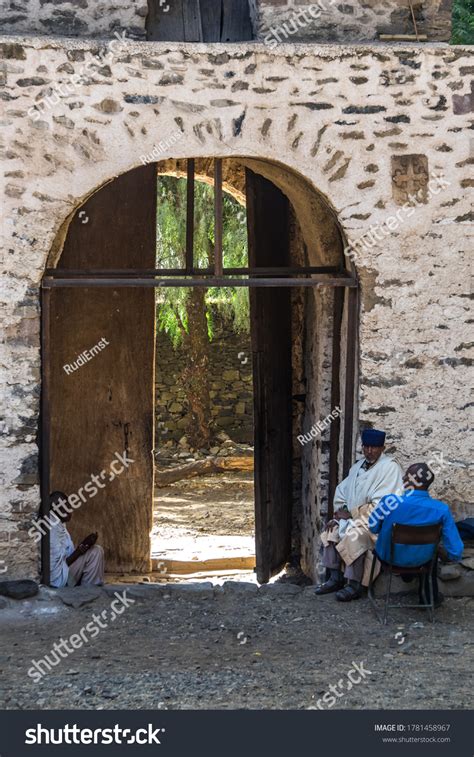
{"points": [[329, 587], [348, 593]]}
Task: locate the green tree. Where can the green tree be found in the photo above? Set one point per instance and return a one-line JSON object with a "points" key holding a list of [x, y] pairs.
{"points": [[463, 22], [187, 314]]}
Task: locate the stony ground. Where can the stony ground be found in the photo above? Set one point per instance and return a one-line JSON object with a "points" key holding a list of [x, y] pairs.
{"points": [[232, 647]]}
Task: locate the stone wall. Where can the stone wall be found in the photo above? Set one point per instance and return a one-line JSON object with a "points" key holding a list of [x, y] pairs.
{"points": [[273, 20], [230, 382], [79, 18], [349, 21], [360, 127]]}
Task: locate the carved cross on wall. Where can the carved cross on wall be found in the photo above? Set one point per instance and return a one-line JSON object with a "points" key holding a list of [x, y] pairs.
{"points": [[410, 178]]}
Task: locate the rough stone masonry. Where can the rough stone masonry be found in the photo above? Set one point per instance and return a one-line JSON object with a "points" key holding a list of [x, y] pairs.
{"points": [[366, 126]]}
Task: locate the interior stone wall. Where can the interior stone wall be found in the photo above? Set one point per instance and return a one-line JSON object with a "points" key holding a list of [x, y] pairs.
{"points": [[230, 382], [360, 128]]}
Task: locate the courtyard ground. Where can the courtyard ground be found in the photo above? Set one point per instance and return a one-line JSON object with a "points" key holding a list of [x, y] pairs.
{"points": [[232, 646], [206, 517]]}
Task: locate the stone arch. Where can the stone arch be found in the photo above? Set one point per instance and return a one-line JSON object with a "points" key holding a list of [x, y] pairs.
{"points": [[308, 191], [316, 239]]}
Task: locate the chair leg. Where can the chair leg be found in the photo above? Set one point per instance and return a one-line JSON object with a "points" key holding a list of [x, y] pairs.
{"points": [[370, 589], [429, 580], [421, 590], [387, 597]]}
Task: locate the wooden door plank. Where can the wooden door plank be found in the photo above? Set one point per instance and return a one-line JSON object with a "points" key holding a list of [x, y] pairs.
{"points": [[106, 405], [268, 228], [192, 21], [165, 25], [211, 17], [236, 23]]}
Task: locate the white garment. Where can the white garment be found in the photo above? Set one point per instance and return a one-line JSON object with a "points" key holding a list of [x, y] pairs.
{"points": [[367, 487], [61, 548]]}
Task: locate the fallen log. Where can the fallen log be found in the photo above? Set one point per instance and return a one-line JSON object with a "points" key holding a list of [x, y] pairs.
{"points": [[166, 476]]}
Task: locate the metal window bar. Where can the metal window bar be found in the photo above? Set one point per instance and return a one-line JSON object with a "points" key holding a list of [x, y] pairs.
{"points": [[218, 220], [190, 168]]}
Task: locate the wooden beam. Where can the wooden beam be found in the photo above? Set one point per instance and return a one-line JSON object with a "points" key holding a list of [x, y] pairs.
{"points": [[166, 567], [403, 38]]}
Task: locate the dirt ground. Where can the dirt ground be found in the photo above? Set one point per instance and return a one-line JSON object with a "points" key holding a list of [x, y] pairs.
{"points": [[205, 517], [233, 646]]}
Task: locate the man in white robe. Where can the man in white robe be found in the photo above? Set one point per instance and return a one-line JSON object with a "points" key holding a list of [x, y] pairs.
{"points": [[69, 565], [347, 540]]}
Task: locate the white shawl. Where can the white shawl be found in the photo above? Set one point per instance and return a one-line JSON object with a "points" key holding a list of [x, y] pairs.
{"points": [[367, 487]]}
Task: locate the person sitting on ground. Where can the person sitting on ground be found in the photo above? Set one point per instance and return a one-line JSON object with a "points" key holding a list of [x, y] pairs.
{"points": [[71, 566], [415, 507], [369, 479]]}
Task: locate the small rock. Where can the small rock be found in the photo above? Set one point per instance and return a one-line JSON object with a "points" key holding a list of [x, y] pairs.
{"points": [[240, 587], [77, 596], [19, 589], [449, 572], [468, 562], [3, 603], [198, 590], [278, 589]]}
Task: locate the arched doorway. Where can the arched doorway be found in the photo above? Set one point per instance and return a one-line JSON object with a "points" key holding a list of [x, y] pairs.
{"points": [[99, 287]]}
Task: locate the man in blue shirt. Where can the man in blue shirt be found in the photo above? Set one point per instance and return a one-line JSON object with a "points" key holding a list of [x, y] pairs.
{"points": [[415, 507]]}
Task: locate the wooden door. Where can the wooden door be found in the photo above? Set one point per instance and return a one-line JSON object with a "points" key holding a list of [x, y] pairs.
{"points": [[104, 407], [199, 21], [270, 309]]}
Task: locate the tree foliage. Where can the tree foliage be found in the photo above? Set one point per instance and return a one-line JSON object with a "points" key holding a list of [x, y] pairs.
{"points": [[463, 22], [231, 302]]}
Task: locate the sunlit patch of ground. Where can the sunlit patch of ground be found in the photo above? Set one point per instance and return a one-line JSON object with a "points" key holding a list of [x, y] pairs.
{"points": [[206, 517]]}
